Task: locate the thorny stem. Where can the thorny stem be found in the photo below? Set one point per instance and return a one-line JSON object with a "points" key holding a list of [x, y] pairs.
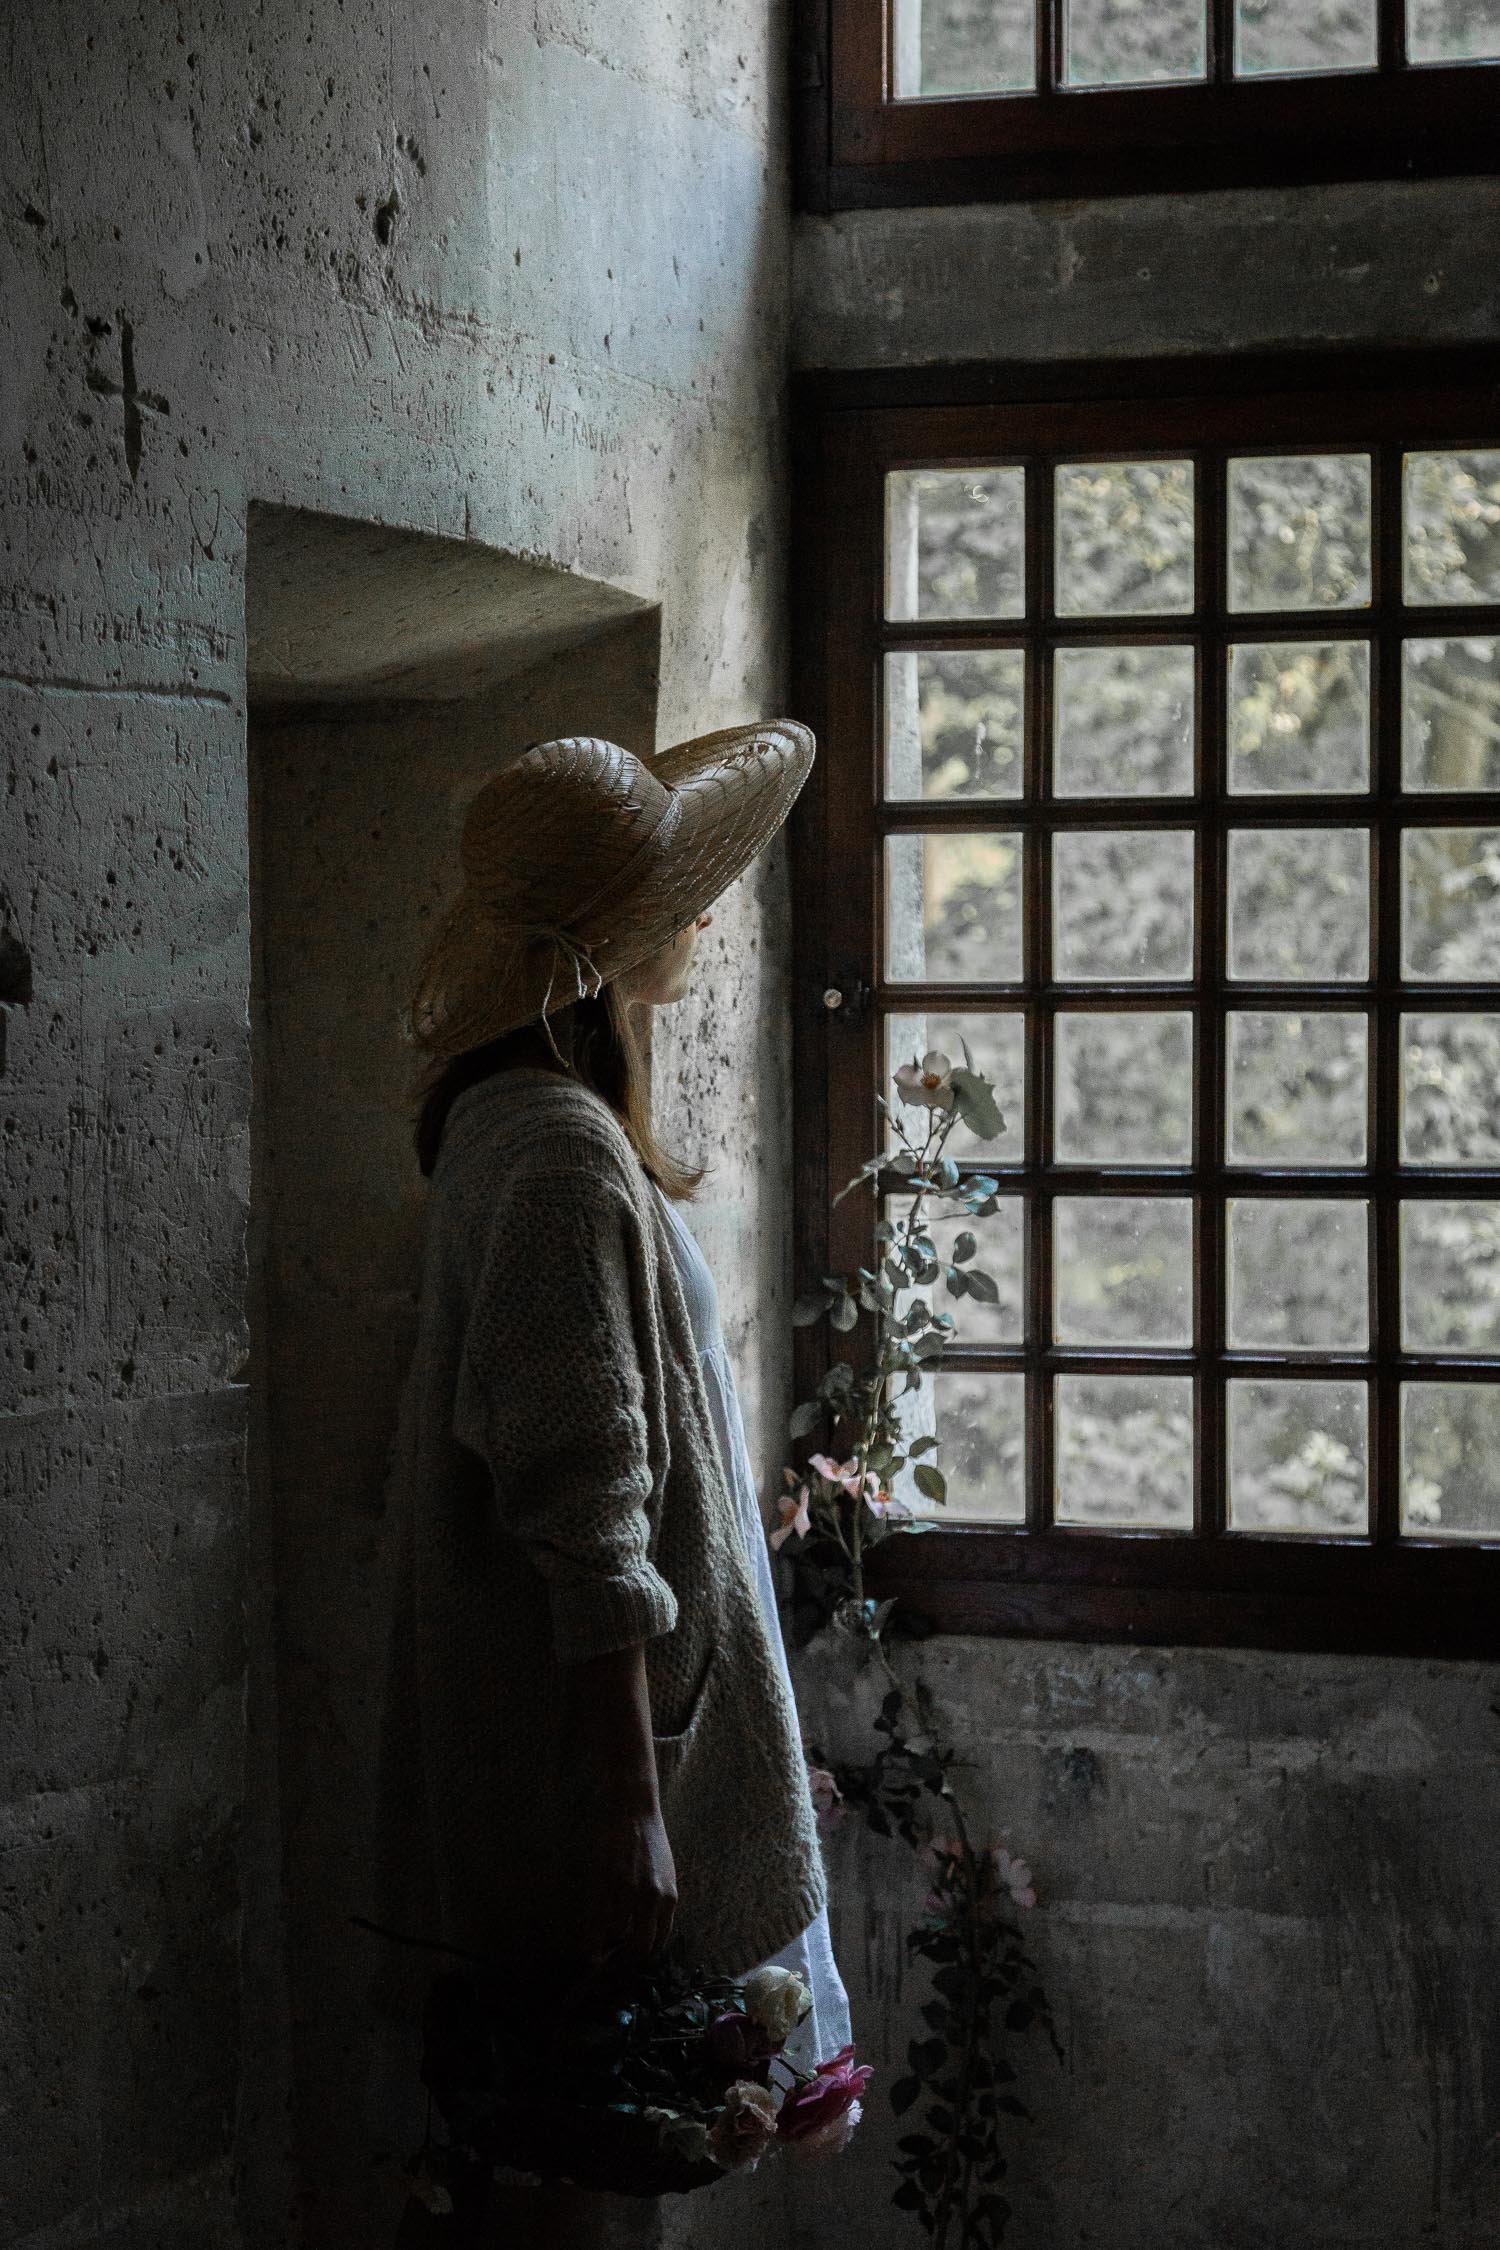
{"points": [[954, 2196], [917, 1703], [926, 1156]]}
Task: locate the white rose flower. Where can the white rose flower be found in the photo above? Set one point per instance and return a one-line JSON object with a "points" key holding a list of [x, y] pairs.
{"points": [[927, 1084], [777, 2000]]}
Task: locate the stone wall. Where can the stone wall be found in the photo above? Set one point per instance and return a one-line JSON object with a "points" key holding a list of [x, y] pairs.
{"points": [[513, 277]]}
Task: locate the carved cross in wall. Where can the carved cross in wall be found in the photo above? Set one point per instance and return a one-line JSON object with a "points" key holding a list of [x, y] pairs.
{"points": [[132, 399]]}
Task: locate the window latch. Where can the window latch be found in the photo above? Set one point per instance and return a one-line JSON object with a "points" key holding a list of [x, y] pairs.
{"points": [[848, 999]]}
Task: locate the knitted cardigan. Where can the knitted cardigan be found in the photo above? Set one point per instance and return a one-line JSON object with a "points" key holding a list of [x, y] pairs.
{"points": [[556, 1492]]}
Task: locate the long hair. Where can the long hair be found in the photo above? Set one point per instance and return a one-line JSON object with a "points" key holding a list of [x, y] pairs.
{"points": [[600, 1042]]}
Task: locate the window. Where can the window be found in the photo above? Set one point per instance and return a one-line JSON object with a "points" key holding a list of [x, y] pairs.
{"points": [[1161, 763], [927, 100]]}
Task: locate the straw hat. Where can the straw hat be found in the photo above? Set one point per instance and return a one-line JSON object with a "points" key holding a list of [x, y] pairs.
{"points": [[581, 860]]}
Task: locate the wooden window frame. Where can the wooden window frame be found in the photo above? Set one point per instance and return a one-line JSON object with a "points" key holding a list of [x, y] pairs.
{"points": [[1387, 1592], [857, 148]]}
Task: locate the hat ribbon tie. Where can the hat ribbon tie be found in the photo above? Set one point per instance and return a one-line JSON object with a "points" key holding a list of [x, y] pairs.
{"points": [[588, 982]]}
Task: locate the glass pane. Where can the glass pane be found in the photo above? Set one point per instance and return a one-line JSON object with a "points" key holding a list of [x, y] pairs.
{"points": [[1450, 1277], [953, 723], [1453, 30], [1125, 1450], [1297, 1088], [962, 47], [998, 1046], [1453, 527], [1450, 1089], [1299, 532], [1281, 35], [953, 909], [979, 1422], [1451, 714], [1125, 539], [998, 1254], [1450, 1460], [1298, 1275], [1123, 724], [1123, 1269], [955, 543], [1299, 717], [1450, 904], [1124, 1087], [1297, 1457], [1120, 43], [1299, 904], [1122, 905]]}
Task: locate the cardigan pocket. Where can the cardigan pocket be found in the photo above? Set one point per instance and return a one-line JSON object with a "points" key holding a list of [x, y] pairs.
{"points": [[672, 1749]]}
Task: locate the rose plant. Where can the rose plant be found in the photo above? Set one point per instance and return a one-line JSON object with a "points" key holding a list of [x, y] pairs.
{"points": [[837, 1509]]}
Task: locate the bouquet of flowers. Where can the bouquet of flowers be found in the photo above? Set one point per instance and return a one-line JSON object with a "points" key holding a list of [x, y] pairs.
{"points": [[654, 2087]]}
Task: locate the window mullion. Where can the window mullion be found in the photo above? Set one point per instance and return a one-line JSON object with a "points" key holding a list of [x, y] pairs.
{"points": [[1041, 1428], [1211, 1466], [1385, 868]]}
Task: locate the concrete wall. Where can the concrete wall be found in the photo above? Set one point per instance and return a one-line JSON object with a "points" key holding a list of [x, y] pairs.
{"points": [[1399, 262], [513, 276], [1267, 1905]]}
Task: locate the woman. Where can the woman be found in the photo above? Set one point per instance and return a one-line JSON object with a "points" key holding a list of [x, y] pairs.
{"points": [[589, 1741]]}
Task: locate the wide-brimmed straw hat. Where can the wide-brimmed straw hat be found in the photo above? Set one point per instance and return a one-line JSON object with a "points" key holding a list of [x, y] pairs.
{"points": [[580, 860]]}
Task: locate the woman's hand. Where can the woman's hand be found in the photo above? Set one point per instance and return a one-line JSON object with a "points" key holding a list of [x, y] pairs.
{"points": [[618, 1895], [629, 1889]]}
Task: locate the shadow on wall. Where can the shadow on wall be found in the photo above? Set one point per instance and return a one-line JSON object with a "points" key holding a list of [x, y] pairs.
{"points": [[389, 674]]}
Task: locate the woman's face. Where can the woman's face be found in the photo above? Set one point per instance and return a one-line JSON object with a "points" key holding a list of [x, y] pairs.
{"points": [[664, 976]]}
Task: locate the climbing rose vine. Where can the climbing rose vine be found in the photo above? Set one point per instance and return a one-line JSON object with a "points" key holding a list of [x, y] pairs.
{"points": [[835, 1511]]}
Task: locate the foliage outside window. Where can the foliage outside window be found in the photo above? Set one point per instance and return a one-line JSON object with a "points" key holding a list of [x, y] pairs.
{"points": [[1183, 820]]}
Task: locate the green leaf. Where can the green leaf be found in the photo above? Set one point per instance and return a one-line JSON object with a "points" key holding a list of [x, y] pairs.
{"points": [[844, 1313], [977, 1105], [926, 1444], [808, 1309], [806, 1418], [904, 2093], [930, 1482], [982, 1286], [964, 1248]]}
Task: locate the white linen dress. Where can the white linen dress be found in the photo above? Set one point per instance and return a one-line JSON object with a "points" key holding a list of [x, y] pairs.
{"points": [[825, 2029]]}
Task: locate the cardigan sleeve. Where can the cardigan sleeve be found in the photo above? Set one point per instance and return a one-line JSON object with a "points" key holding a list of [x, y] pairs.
{"points": [[551, 1395]]}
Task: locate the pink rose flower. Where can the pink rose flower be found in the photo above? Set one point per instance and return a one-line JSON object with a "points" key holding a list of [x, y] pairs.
{"points": [[847, 1475], [827, 1797], [740, 2137], [1016, 1876], [794, 1515], [828, 2140], [820, 2111], [888, 1510]]}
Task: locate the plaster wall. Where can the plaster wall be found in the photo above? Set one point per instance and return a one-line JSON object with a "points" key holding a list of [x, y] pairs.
{"points": [[1267, 1916], [510, 276]]}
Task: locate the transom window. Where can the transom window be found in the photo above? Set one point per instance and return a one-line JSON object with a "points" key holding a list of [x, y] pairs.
{"points": [[952, 47], [929, 100], [1162, 767]]}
